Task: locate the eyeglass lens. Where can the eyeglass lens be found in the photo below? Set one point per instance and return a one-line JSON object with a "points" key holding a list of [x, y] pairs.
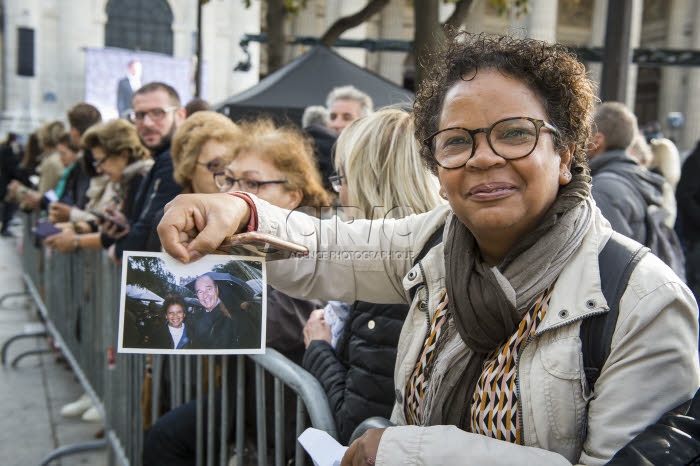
{"points": [[155, 114], [511, 139]]}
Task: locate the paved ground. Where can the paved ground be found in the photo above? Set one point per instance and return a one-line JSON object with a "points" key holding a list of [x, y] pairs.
{"points": [[32, 394]]}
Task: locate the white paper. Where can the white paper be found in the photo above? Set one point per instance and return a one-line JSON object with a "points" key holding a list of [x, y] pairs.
{"points": [[323, 449], [51, 195]]}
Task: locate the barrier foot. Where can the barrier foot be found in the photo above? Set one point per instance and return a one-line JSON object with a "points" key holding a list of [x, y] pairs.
{"points": [[37, 333], [29, 353], [12, 295], [72, 449]]}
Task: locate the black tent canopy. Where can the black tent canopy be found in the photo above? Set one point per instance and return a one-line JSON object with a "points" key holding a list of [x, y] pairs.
{"points": [[307, 80]]}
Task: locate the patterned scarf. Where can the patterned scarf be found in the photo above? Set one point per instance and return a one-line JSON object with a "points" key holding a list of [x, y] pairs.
{"points": [[487, 303]]}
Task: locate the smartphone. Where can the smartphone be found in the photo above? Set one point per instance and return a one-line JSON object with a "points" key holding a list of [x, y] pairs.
{"points": [[44, 229], [261, 244], [105, 218]]}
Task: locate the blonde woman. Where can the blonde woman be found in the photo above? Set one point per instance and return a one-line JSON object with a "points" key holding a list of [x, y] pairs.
{"points": [[667, 162], [379, 169], [352, 353], [202, 146]]}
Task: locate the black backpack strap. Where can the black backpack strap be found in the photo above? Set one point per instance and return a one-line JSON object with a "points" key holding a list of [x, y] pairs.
{"points": [[617, 261], [433, 240]]}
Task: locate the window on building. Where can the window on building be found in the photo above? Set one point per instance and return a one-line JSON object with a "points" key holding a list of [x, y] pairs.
{"points": [[144, 25]]}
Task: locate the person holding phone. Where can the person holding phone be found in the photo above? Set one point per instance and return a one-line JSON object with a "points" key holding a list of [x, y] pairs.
{"points": [[118, 154]]}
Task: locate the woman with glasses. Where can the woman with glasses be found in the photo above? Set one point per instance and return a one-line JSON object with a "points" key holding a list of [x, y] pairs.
{"points": [[490, 364], [277, 165], [202, 146], [119, 155], [381, 175]]}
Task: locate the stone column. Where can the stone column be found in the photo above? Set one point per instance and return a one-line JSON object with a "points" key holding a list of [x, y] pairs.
{"points": [[635, 35], [672, 93], [600, 12], [540, 22], [304, 23], [390, 64], [336, 9]]}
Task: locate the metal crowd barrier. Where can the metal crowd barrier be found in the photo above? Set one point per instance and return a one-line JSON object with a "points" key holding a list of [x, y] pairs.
{"points": [[78, 298]]}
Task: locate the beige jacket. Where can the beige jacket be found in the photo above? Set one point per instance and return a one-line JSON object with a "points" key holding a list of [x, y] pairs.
{"points": [[652, 367], [50, 170]]}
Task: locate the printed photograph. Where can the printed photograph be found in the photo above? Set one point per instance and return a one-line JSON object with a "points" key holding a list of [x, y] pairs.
{"points": [[216, 305]]}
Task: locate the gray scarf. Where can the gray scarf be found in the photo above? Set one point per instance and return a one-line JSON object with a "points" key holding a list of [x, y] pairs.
{"points": [[486, 304]]}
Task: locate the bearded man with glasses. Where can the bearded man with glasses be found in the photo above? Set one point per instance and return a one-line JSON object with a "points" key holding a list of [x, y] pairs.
{"points": [[156, 112]]}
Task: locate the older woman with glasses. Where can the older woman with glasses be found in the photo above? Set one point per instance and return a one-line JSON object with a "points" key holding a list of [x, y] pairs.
{"points": [[277, 165], [490, 368], [202, 146], [121, 157]]}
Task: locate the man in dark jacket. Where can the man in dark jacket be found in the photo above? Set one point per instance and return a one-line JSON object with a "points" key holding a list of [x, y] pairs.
{"points": [[623, 204], [9, 162], [220, 326], [629, 195], [156, 114], [688, 219]]}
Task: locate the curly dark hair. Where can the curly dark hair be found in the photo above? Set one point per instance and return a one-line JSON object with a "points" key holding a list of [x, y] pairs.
{"points": [[171, 299], [554, 73]]}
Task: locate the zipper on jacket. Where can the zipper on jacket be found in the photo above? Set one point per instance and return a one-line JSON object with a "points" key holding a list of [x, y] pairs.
{"points": [[156, 184], [517, 369], [427, 302]]}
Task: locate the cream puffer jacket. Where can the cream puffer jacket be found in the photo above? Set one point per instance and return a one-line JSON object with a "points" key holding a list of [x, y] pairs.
{"points": [[652, 366]]}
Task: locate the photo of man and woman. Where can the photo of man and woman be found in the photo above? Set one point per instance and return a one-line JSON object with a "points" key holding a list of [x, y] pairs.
{"points": [[216, 305]]}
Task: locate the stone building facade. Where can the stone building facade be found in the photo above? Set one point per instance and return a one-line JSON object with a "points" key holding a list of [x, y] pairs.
{"points": [[64, 28]]}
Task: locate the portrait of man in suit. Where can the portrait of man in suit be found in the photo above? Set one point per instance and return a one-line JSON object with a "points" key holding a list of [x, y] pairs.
{"points": [[127, 86]]}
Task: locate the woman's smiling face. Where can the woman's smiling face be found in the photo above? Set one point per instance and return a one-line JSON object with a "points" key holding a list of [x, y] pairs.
{"points": [[175, 315], [499, 200]]}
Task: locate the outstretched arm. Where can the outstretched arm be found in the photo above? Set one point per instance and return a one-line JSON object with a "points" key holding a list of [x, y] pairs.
{"points": [[196, 224]]}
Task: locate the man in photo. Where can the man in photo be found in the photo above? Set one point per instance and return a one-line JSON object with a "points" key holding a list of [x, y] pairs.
{"points": [[127, 86], [219, 325]]}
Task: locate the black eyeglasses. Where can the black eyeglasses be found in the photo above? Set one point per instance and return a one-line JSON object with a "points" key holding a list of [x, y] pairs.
{"points": [[511, 138], [226, 183], [336, 182], [156, 114], [98, 163], [214, 165]]}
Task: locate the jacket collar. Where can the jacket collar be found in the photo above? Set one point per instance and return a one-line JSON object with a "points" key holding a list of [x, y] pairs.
{"points": [[578, 292], [614, 156]]}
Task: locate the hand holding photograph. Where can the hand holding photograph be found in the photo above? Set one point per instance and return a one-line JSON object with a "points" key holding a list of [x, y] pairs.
{"points": [[216, 305]]}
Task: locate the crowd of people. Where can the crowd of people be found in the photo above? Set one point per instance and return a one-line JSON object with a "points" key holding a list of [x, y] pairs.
{"points": [[445, 289]]}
